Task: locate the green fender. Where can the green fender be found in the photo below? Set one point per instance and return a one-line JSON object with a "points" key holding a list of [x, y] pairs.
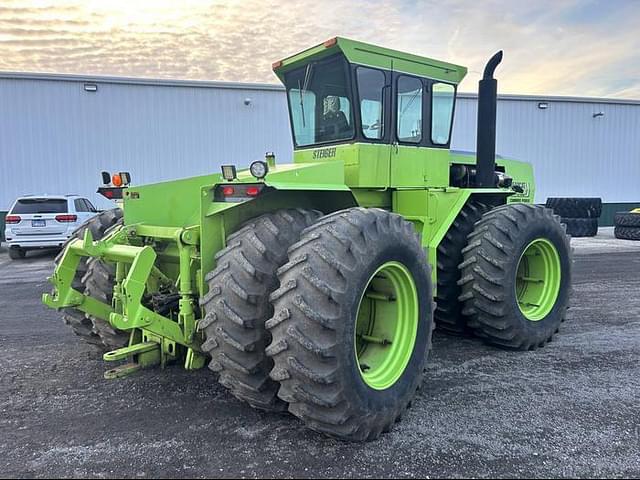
{"points": [[319, 186]]}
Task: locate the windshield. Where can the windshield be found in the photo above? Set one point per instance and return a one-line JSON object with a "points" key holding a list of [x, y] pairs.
{"points": [[320, 102]]}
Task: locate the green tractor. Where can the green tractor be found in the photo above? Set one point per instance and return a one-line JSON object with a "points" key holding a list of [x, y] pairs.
{"points": [[314, 287]]}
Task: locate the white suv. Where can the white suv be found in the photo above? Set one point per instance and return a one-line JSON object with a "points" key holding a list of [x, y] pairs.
{"points": [[45, 221]]}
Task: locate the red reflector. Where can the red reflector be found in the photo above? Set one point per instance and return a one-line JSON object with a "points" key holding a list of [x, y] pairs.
{"points": [[108, 193], [66, 218], [276, 65], [253, 191], [228, 191], [12, 219], [331, 42]]}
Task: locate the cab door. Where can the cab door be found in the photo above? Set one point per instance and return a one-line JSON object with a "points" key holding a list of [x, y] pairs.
{"points": [[373, 112], [408, 145]]}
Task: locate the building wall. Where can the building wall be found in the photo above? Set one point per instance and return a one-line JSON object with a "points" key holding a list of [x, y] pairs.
{"points": [[55, 137], [574, 154]]}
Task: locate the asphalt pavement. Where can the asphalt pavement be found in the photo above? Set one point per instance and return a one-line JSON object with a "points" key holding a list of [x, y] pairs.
{"points": [[571, 409]]}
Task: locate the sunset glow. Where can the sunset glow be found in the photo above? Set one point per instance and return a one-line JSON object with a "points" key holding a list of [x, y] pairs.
{"points": [[562, 47]]}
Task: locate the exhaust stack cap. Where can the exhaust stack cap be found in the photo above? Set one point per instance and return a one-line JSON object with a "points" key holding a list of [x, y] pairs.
{"points": [[491, 65]]}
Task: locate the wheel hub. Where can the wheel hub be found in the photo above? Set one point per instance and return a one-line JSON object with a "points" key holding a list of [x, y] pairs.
{"points": [[386, 325], [538, 279]]}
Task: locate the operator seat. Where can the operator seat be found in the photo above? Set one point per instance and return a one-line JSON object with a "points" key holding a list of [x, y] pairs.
{"points": [[334, 122]]}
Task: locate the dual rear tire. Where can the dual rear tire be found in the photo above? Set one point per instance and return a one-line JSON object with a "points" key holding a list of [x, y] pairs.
{"points": [[237, 304], [516, 277], [340, 336], [352, 323], [448, 315]]}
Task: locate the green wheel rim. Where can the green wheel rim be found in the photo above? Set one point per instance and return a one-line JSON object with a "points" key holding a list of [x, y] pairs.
{"points": [[538, 279], [386, 325]]}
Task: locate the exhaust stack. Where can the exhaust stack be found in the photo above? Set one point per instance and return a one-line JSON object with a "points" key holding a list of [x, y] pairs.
{"points": [[486, 134]]}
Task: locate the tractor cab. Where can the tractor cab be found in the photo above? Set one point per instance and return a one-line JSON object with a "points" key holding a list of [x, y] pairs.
{"points": [[386, 114]]}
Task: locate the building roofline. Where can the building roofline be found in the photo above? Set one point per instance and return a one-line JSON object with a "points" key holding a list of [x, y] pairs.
{"points": [[72, 77], [556, 98], [161, 82]]}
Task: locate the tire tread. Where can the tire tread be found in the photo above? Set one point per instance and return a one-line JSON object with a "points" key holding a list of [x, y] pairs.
{"points": [[237, 304]]}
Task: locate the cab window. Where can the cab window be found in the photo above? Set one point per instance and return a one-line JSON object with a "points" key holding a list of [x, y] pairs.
{"points": [[409, 109], [442, 99], [371, 85], [320, 102]]}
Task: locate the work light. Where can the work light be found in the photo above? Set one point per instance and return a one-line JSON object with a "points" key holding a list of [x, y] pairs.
{"points": [[229, 172], [259, 169], [126, 178]]}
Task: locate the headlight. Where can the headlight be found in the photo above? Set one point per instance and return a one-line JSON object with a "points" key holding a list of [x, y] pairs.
{"points": [[259, 169]]}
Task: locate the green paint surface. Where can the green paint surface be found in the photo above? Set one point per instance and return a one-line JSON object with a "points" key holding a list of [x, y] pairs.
{"points": [[386, 325], [538, 279], [374, 56]]}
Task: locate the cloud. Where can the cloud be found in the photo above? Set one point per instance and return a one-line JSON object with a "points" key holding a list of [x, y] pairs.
{"points": [[562, 47]]}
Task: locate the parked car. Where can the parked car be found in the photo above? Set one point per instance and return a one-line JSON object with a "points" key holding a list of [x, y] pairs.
{"points": [[44, 221]]}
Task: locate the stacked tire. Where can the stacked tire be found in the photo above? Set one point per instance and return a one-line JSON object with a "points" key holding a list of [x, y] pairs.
{"points": [[627, 225], [580, 215]]}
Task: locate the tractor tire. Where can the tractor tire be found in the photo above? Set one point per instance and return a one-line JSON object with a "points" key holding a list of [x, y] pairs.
{"points": [[448, 315], [516, 276], [352, 324], [627, 233], [17, 253], [80, 323], [627, 219], [237, 304], [581, 227], [99, 281], [576, 207]]}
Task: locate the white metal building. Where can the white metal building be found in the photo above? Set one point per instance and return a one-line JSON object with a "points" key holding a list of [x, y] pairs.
{"points": [[57, 132]]}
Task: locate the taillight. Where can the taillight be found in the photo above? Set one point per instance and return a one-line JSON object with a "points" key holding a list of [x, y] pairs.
{"points": [[112, 193], [66, 218], [238, 192], [12, 219]]}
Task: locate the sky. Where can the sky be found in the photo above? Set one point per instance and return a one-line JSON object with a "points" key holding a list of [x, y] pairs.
{"points": [[552, 47]]}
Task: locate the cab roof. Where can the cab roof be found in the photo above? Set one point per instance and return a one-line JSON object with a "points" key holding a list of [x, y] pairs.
{"points": [[371, 55]]}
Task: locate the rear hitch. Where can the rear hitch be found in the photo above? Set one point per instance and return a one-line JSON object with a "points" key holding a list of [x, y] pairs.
{"points": [[155, 338], [138, 356]]}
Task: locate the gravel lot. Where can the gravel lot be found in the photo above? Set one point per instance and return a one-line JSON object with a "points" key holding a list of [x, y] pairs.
{"points": [[569, 410]]}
